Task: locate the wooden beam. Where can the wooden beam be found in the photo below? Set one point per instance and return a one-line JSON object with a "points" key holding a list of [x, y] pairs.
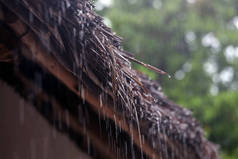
{"points": [[33, 48], [44, 58]]}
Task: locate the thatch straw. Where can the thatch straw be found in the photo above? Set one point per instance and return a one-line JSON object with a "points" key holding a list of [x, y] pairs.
{"points": [[79, 40]]}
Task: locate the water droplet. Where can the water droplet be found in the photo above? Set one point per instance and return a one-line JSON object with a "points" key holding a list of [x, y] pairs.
{"points": [[67, 116], [22, 111], [100, 99]]}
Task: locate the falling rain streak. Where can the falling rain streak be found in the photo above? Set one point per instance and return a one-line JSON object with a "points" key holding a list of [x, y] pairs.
{"points": [[89, 90]]}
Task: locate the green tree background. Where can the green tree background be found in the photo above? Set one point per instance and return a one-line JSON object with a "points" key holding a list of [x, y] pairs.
{"points": [[196, 42]]}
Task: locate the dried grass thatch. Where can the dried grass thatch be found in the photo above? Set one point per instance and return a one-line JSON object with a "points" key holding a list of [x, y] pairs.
{"points": [[69, 40]]}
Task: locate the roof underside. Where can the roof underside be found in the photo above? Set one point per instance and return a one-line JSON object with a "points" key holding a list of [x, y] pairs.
{"points": [[73, 35]]}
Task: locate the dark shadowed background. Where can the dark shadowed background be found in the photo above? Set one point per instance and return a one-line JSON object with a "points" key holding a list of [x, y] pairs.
{"points": [[26, 134]]}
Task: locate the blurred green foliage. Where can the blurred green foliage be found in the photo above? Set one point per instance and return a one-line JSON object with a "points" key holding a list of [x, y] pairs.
{"points": [[195, 41]]}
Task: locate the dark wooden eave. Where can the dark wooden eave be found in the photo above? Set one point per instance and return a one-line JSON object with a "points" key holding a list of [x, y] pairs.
{"points": [[34, 71], [37, 55]]}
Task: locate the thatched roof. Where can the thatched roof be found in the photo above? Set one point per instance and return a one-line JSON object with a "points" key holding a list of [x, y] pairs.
{"points": [[70, 43]]}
